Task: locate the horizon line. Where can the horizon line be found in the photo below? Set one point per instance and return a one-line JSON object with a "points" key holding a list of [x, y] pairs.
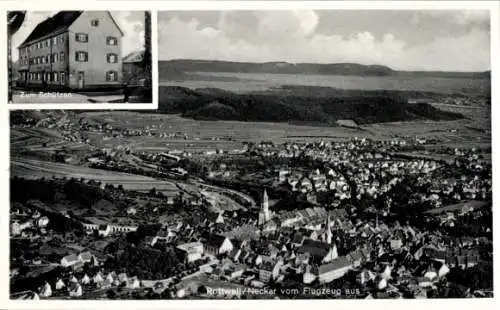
{"points": [[327, 63]]}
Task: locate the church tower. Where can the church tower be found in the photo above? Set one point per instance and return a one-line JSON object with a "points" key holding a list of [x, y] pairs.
{"points": [[264, 216], [328, 233]]}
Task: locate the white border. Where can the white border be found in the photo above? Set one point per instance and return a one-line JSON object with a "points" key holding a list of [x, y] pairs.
{"points": [[154, 5]]}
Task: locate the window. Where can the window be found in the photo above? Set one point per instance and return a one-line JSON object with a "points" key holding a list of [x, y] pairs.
{"points": [[81, 37], [63, 78], [46, 43], [112, 58], [43, 60], [55, 57], [56, 76], [39, 76], [61, 56], [54, 40], [94, 23], [111, 76], [111, 41], [82, 56]]}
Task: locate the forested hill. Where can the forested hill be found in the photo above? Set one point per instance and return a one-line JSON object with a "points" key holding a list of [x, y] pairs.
{"points": [[174, 68], [302, 105]]}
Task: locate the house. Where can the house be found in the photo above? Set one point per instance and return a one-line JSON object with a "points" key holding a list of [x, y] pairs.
{"points": [[133, 67], [43, 221], [215, 217], [266, 272], [85, 257], [238, 270], [356, 258], [69, 260], [122, 278], [396, 244], [46, 290], [104, 230], [319, 252], [365, 276], [309, 274], [17, 228], [217, 244], [166, 235], [98, 279], [192, 251], [75, 290], [73, 49], [85, 280], [133, 283], [334, 270], [110, 279], [60, 284], [298, 238]]}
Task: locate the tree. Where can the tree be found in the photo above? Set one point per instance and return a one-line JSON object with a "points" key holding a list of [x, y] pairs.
{"points": [[152, 192]]}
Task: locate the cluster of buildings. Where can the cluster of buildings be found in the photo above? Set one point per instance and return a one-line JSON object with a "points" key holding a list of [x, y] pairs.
{"points": [[27, 223], [323, 247]]}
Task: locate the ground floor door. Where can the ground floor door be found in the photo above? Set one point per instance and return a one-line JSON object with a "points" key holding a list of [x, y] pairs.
{"points": [[81, 79]]}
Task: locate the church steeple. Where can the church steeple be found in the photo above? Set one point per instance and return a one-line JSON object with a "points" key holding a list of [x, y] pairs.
{"points": [[264, 215], [328, 235]]}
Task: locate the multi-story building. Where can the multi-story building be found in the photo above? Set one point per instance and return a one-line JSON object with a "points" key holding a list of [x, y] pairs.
{"points": [[73, 49]]}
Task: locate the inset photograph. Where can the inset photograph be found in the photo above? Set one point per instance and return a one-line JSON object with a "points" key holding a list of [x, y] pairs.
{"points": [[79, 57]]}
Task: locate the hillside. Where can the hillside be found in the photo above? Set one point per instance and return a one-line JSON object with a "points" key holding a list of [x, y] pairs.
{"points": [[175, 69], [306, 105]]}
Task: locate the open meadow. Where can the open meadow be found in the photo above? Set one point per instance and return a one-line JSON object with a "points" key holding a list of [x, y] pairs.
{"points": [[34, 169]]}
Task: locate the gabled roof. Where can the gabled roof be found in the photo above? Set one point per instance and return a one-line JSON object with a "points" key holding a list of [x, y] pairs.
{"points": [[57, 23], [86, 256], [315, 248], [215, 240], [338, 263], [71, 258], [136, 56]]}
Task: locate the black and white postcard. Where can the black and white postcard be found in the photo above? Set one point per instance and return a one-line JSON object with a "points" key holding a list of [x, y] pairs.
{"points": [[296, 153]]}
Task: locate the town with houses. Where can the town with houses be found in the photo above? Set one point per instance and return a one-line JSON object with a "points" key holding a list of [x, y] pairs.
{"points": [[358, 218]]}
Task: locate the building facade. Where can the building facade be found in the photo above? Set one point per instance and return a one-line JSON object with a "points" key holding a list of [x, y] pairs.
{"points": [[73, 49]]}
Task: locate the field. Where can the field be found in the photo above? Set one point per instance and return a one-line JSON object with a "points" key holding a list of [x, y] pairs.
{"points": [[475, 130], [44, 140], [251, 82], [34, 169]]}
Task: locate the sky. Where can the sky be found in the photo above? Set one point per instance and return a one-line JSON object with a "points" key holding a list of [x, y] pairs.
{"points": [[446, 40], [130, 22]]}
